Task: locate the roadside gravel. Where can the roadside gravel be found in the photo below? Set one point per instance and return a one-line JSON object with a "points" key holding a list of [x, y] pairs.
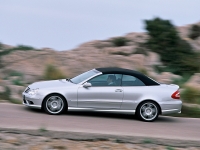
{"points": [[41, 139]]}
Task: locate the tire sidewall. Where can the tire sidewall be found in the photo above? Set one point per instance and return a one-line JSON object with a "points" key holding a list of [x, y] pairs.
{"points": [[64, 103], [139, 115]]}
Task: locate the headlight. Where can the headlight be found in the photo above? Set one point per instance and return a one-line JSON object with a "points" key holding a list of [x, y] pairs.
{"points": [[33, 91]]}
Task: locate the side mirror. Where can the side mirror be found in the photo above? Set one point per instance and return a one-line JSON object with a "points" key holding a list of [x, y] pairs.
{"points": [[87, 84]]}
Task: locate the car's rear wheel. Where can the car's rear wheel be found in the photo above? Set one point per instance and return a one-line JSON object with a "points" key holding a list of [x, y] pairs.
{"points": [[148, 111], [54, 104]]}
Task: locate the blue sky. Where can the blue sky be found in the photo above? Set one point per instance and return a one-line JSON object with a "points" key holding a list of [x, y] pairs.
{"points": [[65, 24]]}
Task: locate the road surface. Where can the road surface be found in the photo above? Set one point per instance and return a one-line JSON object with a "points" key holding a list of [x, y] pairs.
{"points": [[21, 117]]}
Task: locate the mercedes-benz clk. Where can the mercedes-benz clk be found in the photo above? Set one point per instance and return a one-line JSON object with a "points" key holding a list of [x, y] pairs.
{"points": [[105, 89]]}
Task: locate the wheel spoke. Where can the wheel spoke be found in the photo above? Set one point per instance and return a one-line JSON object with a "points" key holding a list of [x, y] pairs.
{"points": [[144, 114], [59, 106], [51, 108], [53, 98], [153, 110], [148, 111], [148, 105], [143, 108], [49, 104], [54, 104]]}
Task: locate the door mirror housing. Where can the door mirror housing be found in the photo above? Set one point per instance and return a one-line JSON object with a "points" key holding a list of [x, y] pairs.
{"points": [[87, 84]]}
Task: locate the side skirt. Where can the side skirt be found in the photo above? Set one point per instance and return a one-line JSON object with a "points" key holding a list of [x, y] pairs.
{"points": [[102, 110]]}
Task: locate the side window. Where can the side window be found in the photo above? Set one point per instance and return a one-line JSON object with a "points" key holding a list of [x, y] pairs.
{"points": [[129, 80], [106, 80]]}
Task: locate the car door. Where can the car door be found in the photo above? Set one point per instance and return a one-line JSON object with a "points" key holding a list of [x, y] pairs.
{"points": [[134, 89], [101, 95]]}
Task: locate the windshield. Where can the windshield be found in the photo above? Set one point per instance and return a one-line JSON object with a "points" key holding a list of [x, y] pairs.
{"points": [[80, 78]]}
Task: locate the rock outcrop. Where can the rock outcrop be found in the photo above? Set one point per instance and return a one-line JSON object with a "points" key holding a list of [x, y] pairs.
{"points": [[97, 53]]}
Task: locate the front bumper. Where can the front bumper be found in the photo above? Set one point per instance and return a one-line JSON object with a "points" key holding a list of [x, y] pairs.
{"points": [[170, 107], [32, 101]]}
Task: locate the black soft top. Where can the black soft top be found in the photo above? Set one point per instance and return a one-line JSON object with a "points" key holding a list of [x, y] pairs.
{"points": [[146, 80]]}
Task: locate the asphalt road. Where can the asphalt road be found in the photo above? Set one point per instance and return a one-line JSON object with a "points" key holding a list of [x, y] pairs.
{"points": [[21, 117]]}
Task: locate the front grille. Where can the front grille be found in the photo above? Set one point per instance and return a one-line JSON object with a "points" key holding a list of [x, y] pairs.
{"points": [[27, 90]]}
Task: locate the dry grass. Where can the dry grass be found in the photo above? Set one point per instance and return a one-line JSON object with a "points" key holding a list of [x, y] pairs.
{"points": [[53, 73]]}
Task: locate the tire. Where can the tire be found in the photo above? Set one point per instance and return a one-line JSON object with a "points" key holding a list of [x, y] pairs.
{"points": [[148, 111], [54, 104]]}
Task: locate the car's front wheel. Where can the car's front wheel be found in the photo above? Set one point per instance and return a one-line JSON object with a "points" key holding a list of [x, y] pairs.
{"points": [[54, 104], [148, 111]]}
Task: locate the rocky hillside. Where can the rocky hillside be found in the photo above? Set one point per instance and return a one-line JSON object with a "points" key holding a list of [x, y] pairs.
{"points": [[30, 64], [184, 32]]}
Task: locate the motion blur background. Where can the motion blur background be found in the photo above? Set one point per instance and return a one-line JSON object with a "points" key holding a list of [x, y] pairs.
{"points": [[43, 40]]}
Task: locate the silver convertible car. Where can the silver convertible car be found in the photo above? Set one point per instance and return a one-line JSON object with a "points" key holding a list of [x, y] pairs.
{"points": [[105, 89]]}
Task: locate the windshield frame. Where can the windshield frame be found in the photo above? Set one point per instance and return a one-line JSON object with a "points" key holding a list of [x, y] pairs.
{"points": [[97, 73]]}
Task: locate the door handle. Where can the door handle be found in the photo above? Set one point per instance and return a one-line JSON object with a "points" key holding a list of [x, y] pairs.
{"points": [[118, 90]]}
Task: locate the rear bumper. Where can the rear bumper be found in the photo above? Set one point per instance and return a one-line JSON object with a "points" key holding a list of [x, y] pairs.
{"points": [[170, 107], [171, 111]]}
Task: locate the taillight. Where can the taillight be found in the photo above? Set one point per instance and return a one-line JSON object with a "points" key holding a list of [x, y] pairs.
{"points": [[176, 95]]}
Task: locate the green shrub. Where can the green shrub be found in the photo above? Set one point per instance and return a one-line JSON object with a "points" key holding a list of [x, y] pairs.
{"points": [[23, 47], [190, 112], [120, 41], [193, 112], [191, 95], [158, 68], [53, 73], [17, 82], [169, 148], [19, 47], [147, 141], [5, 95], [175, 53], [194, 32], [1, 46], [143, 71], [42, 129], [15, 101], [182, 80], [15, 73], [142, 51]]}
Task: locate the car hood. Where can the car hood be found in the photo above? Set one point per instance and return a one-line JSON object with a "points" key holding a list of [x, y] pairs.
{"points": [[50, 84]]}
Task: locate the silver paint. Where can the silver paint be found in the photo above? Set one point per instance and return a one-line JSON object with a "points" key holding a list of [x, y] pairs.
{"points": [[108, 98]]}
